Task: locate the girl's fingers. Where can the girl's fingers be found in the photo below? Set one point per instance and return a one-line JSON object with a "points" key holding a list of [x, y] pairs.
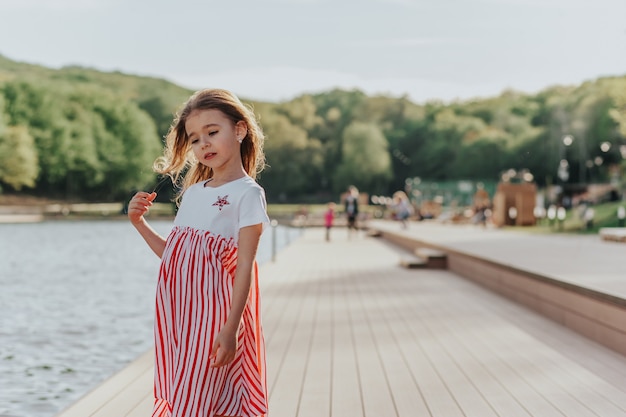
{"points": [[214, 350], [222, 359], [142, 195], [143, 198], [220, 355], [139, 205]]}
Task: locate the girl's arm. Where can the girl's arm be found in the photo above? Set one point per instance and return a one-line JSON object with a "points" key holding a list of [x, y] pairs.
{"points": [[137, 207], [225, 344]]}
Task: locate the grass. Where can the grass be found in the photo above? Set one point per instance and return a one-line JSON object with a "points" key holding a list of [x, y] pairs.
{"points": [[605, 216]]}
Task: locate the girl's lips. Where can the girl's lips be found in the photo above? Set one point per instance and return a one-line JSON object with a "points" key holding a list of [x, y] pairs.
{"points": [[209, 155]]}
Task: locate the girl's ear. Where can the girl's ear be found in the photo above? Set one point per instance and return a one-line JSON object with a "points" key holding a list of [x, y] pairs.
{"points": [[241, 130]]}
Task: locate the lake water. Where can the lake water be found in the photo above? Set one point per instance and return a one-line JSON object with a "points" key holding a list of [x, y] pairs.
{"points": [[76, 306]]}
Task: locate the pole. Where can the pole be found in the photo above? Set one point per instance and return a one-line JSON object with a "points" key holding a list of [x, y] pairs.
{"points": [[273, 224]]}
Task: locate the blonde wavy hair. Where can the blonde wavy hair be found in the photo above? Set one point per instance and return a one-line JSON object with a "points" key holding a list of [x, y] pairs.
{"points": [[178, 161]]}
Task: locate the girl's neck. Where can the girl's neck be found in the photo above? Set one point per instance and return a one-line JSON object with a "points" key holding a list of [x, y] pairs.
{"points": [[220, 178]]}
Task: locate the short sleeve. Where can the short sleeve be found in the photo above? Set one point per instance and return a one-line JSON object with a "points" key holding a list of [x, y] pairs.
{"points": [[253, 208]]}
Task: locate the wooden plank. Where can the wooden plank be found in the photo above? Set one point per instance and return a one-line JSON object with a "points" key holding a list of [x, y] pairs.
{"points": [[376, 396], [144, 408], [504, 389], [279, 332], [430, 382], [524, 355], [130, 397], [413, 262], [585, 352], [597, 393], [407, 397], [434, 340], [317, 384], [346, 385], [435, 259], [424, 252], [287, 388]]}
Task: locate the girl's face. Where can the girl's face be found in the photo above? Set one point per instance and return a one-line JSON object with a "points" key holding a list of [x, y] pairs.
{"points": [[214, 139]]}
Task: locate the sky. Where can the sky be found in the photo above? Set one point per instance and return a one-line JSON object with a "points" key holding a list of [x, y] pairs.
{"points": [[275, 50]]}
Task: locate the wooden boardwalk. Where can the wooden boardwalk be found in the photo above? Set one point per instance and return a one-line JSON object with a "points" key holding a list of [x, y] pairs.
{"points": [[351, 334], [577, 281]]}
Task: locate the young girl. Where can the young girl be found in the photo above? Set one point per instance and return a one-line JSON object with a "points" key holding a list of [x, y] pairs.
{"points": [[210, 352]]}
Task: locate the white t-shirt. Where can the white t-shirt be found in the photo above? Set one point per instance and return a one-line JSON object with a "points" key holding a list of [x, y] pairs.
{"points": [[225, 209]]}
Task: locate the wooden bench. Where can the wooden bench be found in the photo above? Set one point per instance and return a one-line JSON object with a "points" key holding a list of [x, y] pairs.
{"points": [[425, 258], [435, 259], [614, 234], [374, 233], [413, 262]]}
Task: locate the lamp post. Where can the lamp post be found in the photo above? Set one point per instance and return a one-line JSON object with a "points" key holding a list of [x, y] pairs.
{"points": [[621, 216], [560, 215], [551, 214], [563, 172], [622, 151], [564, 163]]}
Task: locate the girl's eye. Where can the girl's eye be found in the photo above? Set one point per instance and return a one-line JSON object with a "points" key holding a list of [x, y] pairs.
{"points": [[212, 133], [194, 140]]}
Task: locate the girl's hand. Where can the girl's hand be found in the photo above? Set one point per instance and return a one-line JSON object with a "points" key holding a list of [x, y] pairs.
{"points": [[224, 348], [139, 205]]}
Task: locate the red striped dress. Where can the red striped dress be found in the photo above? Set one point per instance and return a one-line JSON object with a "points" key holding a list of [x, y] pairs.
{"points": [[193, 299]]}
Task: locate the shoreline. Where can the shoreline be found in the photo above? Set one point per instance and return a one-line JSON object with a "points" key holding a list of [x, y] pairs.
{"points": [[113, 211], [39, 211], [35, 211]]}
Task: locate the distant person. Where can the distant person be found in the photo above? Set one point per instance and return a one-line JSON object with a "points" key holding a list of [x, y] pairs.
{"points": [[329, 218], [300, 216], [590, 214], [352, 208], [210, 352], [402, 208], [480, 215]]}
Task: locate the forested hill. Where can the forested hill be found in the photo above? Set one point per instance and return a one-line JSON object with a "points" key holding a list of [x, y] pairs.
{"points": [[85, 134]]}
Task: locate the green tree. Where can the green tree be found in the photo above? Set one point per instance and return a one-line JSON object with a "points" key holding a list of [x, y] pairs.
{"points": [[301, 112], [293, 160], [480, 160], [18, 158], [365, 159], [90, 142], [337, 108], [127, 145]]}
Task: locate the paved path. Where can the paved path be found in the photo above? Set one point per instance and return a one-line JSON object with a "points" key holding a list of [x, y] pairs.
{"points": [[351, 334], [583, 260]]}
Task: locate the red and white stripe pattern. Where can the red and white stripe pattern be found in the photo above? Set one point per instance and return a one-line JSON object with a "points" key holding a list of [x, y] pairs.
{"points": [[192, 303]]}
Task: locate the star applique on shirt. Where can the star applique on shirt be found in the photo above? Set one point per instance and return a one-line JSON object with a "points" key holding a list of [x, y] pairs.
{"points": [[221, 202]]}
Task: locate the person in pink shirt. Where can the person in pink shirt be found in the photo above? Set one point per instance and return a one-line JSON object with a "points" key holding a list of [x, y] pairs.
{"points": [[329, 217]]}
